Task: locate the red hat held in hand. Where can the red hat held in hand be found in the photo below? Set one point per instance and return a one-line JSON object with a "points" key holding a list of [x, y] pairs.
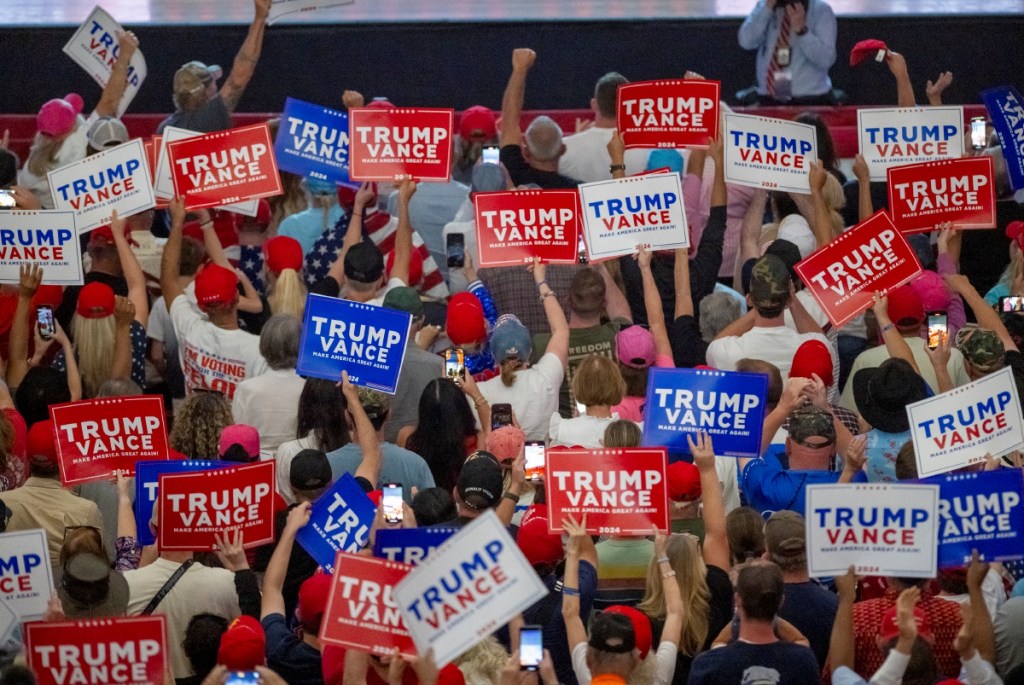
{"points": [[865, 50]]}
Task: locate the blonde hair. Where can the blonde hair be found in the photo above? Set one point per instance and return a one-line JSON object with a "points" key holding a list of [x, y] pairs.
{"points": [[43, 156], [598, 381], [691, 576], [508, 371], [482, 664], [287, 294], [94, 347], [81, 539], [1014, 269], [198, 425], [835, 200], [622, 433]]}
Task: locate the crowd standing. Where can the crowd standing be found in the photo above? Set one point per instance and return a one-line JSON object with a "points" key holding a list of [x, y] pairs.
{"points": [[722, 597]]}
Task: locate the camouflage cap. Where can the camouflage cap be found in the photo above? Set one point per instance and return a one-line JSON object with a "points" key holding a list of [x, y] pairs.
{"points": [[375, 404], [983, 349], [810, 421], [769, 283]]}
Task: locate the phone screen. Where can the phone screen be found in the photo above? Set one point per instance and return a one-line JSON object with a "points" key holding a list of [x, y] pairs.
{"points": [[490, 155], [531, 647], [454, 363], [501, 415], [535, 457], [936, 329], [1011, 303], [455, 249], [7, 200], [44, 315], [242, 677], [978, 133], [391, 500]]}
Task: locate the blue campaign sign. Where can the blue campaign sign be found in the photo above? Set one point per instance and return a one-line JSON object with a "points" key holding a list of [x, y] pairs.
{"points": [[147, 482], [340, 522], [1006, 110], [409, 545], [313, 141], [983, 511], [729, 405], [367, 341]]}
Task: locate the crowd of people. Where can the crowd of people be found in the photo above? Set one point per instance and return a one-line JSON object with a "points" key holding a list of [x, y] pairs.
{"points": [[206, 308]]}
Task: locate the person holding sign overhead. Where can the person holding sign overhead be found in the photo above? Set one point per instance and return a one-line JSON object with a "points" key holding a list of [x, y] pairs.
{"points": [[199, 106], [362, 274]]}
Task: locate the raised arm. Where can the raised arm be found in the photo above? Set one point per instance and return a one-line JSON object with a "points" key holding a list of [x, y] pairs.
{"points": [[124, 314], [369, 445], [403, 234], [894, 342], [580, 546], [821, 224], [841, 650], [716, 541], [559, 342], [750, 234], [127, 44], [170, 267], [277, 568], [354, 233], [652, 302], [939, 359], [984, 314], [934, 90], [617, 155], [675, 614], [29, 278], [132, 270], [864, 206], [245, 61], [904, 90], [615, 301], [74, 377], [681, 273], [982, 632], [512, 100]]}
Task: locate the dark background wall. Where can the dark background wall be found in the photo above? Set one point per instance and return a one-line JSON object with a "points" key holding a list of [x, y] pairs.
{"points": [[459, 64]]}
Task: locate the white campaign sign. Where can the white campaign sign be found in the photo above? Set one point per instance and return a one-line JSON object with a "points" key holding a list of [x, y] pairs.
{"points": [[466, 589], [94, 47], [44, 237], [881, 529], [959, 427], [622, 213], [116, 178], [26, 577], [774, 154], [288, 8], [896, 137], [164, 186]]}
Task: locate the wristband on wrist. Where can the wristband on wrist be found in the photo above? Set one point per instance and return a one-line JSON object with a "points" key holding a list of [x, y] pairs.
{"points": [[668, 574], [540, 283], [612, 168], [511, 496], [571, 591], [888, 327], [662, 560]]}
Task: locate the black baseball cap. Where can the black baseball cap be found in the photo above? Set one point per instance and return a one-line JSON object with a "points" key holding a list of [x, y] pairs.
{"points": [[480, 481], [310, 470], [364, 263]]}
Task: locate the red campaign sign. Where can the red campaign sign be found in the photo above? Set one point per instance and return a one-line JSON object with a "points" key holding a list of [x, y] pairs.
{"points": [[152, 147], [97, 439], [194, 506], [513, 227], [385, 144], [959, 190], [361, 613], [672, 113], [126, 651], [844, 275], [224, 167], [621, 491]]}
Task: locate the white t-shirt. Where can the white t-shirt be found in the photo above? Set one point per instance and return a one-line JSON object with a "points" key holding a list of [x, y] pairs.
{"points": [[378, 301], [284, 455], [533, 396], [586, 156], [664, 656], [585, 431], [213, 358], [73, 149], [773, 344], [270, 404]]}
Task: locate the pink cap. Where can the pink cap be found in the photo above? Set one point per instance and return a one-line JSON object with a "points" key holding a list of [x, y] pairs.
{"points": [[634, 346], [240, 434], [57, 117]]}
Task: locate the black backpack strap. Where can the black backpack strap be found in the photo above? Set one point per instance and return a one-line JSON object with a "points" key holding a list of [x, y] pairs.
{"points": [[171, 582]]}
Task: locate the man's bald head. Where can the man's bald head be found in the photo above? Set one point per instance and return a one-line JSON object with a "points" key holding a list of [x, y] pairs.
{"points": [[544, 139]]}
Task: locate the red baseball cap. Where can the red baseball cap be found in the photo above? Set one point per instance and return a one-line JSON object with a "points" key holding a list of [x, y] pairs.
{"points": [[683, 481], [282, 252], [812, 357], [415, 265], [41, 442], [104, 237], [478, 123], [313, 595], [641, 626], [535, 542], [380, 103], [216, 284], [95, 301], [51, 295], [890, 628], [243, 645], [1015, 232], [905, 308], [865, 49], [465, 320]]}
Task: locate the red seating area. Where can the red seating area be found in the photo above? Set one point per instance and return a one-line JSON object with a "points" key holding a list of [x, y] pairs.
{"points": [[841, 120]]}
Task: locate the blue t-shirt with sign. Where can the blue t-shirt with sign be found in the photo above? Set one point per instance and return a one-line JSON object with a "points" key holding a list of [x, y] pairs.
{"points": [[768, 487]]}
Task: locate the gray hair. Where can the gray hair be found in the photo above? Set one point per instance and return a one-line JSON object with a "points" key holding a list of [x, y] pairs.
{"points": [[279, 341], [119, 387], [717, 311], [544, 139]]}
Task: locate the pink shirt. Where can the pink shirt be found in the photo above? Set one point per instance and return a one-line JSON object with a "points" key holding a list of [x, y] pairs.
{"points": [[632, 408]]}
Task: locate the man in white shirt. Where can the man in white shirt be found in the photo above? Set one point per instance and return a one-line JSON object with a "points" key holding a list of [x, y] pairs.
{"points": [[215, 353], [762, 332], [586, 152]]}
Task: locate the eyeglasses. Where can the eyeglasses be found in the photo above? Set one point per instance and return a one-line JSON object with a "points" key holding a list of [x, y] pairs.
{"points": [[814, 446]]}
